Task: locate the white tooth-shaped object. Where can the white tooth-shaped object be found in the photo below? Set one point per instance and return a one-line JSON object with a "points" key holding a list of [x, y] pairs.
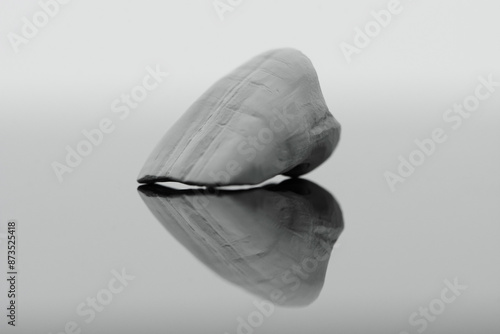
{"points": [[274, 241], [267, 117]]}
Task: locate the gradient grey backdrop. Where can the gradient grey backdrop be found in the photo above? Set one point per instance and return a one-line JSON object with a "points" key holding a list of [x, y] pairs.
{"points": [[397, 247]]}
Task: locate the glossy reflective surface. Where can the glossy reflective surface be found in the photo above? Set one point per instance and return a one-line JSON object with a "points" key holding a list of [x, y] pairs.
{"points": [[399, 250], [274, 241]]}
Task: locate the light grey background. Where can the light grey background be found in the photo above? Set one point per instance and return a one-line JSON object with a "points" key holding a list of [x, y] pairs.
{"points": [[397, 247]]}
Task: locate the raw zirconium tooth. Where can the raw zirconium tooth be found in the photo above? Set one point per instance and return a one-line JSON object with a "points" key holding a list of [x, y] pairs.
{"points": [[268, 239], [267, 117]]}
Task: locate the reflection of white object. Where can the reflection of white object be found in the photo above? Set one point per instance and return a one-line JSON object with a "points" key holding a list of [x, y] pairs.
{"points": [[267, 117], [273, 241]]}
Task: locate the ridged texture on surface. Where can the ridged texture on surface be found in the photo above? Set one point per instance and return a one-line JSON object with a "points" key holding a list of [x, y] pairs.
{"points": [[267, 117], [256, 238]]}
